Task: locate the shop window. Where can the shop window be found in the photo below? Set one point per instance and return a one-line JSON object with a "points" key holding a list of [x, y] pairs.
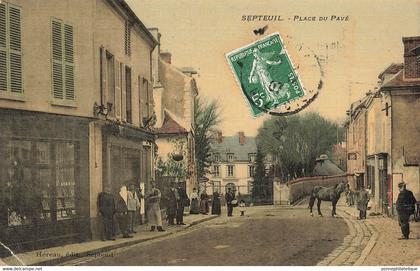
{"points": [[37, 180]]}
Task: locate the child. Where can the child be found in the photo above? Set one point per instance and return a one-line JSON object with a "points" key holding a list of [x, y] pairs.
{"points": [[241, 207]]}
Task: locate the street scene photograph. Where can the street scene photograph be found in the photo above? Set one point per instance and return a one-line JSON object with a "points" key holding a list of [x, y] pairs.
{"points": [[177, 134]]}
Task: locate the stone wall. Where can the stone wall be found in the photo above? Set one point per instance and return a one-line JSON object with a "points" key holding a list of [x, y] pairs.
{"points": [[301, 187]]}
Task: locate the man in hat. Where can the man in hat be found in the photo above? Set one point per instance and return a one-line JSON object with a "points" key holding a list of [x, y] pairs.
{"points": [[405, 207], [230, 196], [362, 202], [172, 204], [183, 201]]}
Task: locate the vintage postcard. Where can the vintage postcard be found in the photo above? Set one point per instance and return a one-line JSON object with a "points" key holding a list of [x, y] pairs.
{"points": [[258, 134]]}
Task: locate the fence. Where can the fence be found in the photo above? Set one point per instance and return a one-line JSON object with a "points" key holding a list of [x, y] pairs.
{"points": [[301, 187]]}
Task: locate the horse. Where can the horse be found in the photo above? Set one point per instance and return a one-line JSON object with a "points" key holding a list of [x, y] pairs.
{"points": [[328, 194]]}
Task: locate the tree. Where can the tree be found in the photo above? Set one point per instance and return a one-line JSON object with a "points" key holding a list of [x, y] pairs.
{"points": [[260, 186], [297, 141], [206, 119]]}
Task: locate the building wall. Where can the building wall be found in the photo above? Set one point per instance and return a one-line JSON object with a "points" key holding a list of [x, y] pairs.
{"points": [[108, 23], [356, 144], [405, 144], [37, 61], [240, 177]]}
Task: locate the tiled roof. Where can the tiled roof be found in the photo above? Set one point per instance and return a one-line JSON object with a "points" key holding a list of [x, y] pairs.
{"points": [[230, 144], [326, 168], [170, 126], [398, 81], [392, 69]]}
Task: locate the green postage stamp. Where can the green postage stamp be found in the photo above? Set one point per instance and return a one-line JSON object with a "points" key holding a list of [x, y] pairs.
{"points": [[266, 74]]}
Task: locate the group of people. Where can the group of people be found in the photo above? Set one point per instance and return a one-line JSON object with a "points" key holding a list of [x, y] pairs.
{"points": [[177, 200], [122, 207], [405, 205], [201, 206]]}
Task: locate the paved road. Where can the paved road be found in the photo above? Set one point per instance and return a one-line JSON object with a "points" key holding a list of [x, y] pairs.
{"points": [[266, 236]]}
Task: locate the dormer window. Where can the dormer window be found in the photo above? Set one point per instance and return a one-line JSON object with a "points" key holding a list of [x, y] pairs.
{"points": [[230, 157], [251, 157], [216, 157]]}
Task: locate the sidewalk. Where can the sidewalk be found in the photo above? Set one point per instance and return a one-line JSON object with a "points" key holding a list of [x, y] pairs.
{"points": [[387, 250], [56, 255]]}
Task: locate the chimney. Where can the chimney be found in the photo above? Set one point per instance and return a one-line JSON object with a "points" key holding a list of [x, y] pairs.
{"points": [[219, 137], [166, 56], [411, 57], [241, 138]]}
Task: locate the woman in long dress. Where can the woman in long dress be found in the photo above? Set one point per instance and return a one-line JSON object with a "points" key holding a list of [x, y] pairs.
{"points": [[204, 203], [153, 212], [194, 207], [215, 204]]}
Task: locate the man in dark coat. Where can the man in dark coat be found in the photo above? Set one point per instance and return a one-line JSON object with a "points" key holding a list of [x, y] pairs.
{"points": [[230, 196], [182, 202], [121, 212], [106, 207], [215, 204], [172, 204], [405, 207], [362, 202]]}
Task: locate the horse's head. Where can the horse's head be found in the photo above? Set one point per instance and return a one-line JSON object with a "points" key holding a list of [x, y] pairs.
{"points": [[340, 187]]}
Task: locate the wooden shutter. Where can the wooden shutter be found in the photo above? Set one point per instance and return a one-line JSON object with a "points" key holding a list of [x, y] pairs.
{"points": [[150, 98], [15, 50], [57, 59], [123, 94], [69, 62], [118, 79], [3, 54], [127, 38], [103, 76]]}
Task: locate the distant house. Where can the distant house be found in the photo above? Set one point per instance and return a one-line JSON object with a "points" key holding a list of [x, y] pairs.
{"points": [[232, 164], [174, 92]]}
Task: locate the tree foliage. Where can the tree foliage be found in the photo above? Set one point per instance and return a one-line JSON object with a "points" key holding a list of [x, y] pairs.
{"points": [[261, 188], [297, 140], [206, 119]]}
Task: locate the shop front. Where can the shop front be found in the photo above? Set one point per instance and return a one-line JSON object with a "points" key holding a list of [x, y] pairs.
{"points": [[43, 180], [127, 158]]}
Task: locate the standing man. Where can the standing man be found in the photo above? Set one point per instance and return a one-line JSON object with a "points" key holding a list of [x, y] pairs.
{"points": [[230, 196], [172, 204], [153, 211], [405, 207], [133, 204], [182, 202], [106, 207], [121, 211], [362, 202]]}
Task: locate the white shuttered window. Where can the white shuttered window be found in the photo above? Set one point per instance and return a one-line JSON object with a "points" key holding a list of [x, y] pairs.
{"points": [[10, 48], [62, 60]]}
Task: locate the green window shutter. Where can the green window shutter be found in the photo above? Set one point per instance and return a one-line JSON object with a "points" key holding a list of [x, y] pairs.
{"points": [[15, 50], [2, 27], [62, 60], [3, 55], [69, 61], [57, 59]]}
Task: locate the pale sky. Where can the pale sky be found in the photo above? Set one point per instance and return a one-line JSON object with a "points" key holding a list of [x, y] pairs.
{"points": [[199, 33]]}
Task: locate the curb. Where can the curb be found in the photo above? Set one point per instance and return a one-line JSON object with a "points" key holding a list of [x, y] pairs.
{"points": [[370, 245], [346, 254], [63, 259]]}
